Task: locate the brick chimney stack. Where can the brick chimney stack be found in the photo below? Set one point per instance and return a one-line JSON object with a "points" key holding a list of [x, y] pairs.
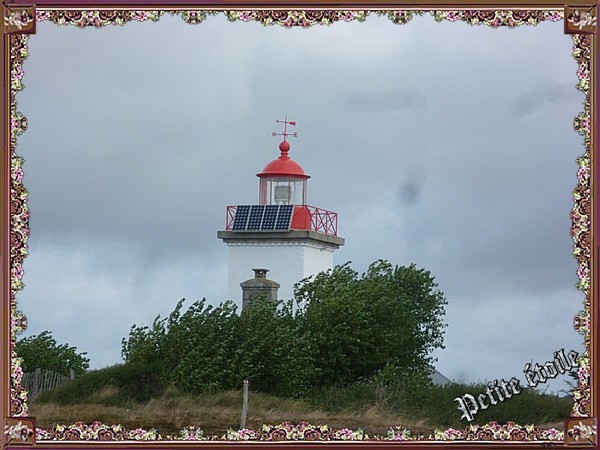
{"points": [[255, 287]]}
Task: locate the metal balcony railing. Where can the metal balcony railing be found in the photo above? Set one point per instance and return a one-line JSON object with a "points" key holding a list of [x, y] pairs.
{"points": [[305, 217]]}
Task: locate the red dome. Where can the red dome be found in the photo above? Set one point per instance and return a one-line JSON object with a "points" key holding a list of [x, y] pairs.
{"points": [[283, 166]]}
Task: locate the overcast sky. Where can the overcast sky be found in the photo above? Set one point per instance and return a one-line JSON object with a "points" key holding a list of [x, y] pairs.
{"points": [[439, 144]]}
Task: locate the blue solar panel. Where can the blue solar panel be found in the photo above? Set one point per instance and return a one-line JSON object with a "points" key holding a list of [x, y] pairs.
{"points": [[284, 218], [256, 214], [263, 218], [241, 217], [268, 222]]}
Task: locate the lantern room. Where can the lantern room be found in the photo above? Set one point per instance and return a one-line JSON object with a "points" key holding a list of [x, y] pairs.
{"points": [[282, 203], [283, 180], [282, 232]]}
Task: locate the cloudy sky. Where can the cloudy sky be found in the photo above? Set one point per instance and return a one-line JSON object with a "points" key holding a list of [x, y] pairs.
{"points": [[439, 144]]}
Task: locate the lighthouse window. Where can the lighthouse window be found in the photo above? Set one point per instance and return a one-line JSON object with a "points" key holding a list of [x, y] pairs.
{"points": [[282, 191], [283, 194]]}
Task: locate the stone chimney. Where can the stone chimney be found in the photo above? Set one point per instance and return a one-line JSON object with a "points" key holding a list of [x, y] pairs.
{"points": [[255, 287]]}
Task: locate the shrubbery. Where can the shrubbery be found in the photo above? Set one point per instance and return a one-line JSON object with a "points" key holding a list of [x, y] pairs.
{"points": [[43, 352], [112, 385], [436, 403], [345, 329]]}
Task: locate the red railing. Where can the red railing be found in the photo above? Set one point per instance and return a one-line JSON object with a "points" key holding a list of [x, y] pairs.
{"points": [[230, 217], [322, 220], [305, 217]]}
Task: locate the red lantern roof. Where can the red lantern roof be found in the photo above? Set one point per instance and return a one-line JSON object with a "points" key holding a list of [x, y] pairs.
{"points": [[284, 166]]}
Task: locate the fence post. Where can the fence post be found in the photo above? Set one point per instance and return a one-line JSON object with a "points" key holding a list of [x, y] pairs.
{"points": [[36, 382], [71, 374], [45, 380], [244, 406]]}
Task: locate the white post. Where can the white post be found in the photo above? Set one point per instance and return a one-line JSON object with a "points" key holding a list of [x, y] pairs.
{"points": [[72, 374], [244, 406]]}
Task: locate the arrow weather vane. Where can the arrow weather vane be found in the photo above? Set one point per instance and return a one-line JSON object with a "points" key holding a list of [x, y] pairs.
{"points": [[285, 134]]}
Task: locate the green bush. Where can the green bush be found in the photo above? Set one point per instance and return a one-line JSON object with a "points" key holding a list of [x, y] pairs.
{"points": [[346, 328], [436, 405], [200, 347], [274, 350], [387, 320], [122, 382], [43, 352]]}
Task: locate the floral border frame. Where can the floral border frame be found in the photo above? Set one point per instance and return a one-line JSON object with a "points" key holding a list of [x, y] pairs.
{"points": [[581, 215]]}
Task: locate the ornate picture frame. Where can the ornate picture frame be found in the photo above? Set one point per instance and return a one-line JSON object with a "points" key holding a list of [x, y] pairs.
{"points": [[20, 18]]}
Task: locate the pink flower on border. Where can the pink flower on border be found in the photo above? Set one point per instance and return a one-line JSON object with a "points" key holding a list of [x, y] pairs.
{"points": [[18, 173], [19, 271], [583, 272], [583, 73], [583, 174]]}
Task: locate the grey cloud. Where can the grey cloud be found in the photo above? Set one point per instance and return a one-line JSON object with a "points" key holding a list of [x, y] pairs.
{"points": [[385, 101], [409, 192], [544, 93], [410, 187]]}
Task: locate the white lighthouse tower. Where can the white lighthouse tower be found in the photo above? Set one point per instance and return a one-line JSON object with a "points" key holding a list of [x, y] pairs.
{"points": [[282, 233]]}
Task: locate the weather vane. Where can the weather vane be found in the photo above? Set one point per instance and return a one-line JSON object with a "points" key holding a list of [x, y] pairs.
{"points": [[285, 134]]}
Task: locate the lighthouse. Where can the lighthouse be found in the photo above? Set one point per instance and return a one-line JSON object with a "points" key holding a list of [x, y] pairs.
{"points": [[281, 233]]}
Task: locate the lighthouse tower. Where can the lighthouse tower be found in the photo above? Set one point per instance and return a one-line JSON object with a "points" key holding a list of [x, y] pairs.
{"points": [[282, 233]]}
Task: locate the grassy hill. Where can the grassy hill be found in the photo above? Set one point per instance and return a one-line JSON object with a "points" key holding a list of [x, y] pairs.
{"points": [[135, 399]]}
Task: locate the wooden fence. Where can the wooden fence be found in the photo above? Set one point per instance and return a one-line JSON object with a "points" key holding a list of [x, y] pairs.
{"points": [[43, 380]]}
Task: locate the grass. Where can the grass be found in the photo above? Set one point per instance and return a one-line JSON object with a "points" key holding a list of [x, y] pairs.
{"points": [[353, 407], [215, 413]]}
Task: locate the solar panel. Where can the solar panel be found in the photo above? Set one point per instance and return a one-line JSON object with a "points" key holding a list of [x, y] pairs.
{"points": [[256, 214], [284, 217], [268, 222], [263, 218], [241, 217]]}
